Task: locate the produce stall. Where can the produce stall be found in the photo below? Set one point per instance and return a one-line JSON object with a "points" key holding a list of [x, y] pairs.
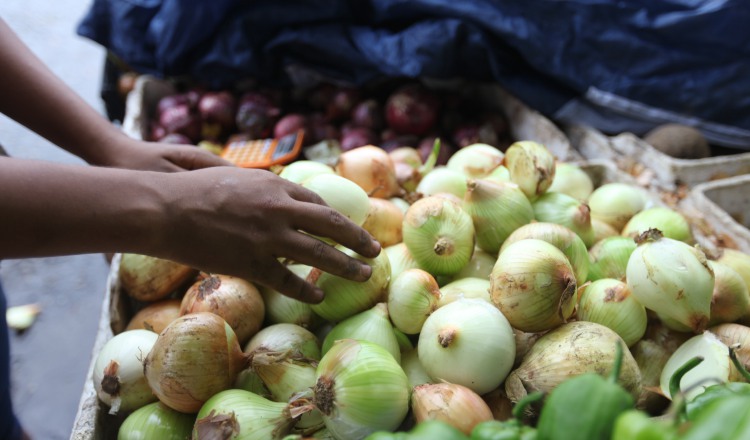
{"points": [[528, 266]]}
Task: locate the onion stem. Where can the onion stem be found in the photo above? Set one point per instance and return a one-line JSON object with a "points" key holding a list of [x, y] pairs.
{"points": [[429, 164], [617, 365], [737, 364], [674, 381]]}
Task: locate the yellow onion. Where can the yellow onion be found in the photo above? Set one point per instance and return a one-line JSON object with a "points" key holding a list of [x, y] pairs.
{"points": [[118, 371], [195, 357], [562, 238], [404, 343], [371, 325], [409, 168], [156, 421], [146, 278], [467, 329], [371, 168], [524, 342], [343, 297], [302, 170], [562, 209], [473, 288], [155, 316], [496, 210], [341, 194], [442, 180], [673, 279], [731, 334], [570, 350], [716, 366], [499, 174], [240, 414], [730, 300], [479, 266], [499, 404], [281, 308], [737, 260], [384, 222], [450, 403], [413, 368], [609, 258], [475, 161], [616, 202], [602, 230], [285, 338], [534, 285], [608, 302], [234, 299], [249, 380], [400, 259], [360, 389], [657, 332], [570, 179], [671, 223], [406, 155], [400, 203], [412, 296], [651, 358], [531, 166], [439, 235]]}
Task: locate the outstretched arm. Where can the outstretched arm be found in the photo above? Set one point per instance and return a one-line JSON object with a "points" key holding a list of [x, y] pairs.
{"points": [[33, 96]]}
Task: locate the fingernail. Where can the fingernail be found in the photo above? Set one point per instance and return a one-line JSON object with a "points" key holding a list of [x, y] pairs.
{"points": [[376, 246], [366, 270], [317, 295]]}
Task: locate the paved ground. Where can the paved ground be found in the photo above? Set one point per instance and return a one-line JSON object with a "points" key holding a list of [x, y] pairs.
{"points": [[50, 361]]}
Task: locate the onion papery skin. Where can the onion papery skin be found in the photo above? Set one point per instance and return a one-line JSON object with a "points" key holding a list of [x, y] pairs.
{"points": [[737, 260], [400, 259], [442, 180], [302, 170], [562, 209], [439, 235], [242, 415], [195, 357], [146, 278], [341, 194], [479, 266], [562, 238], [602, 230], [671, 223], [384, 222], [345, 298], [283, 309], [467, 329], [534, 285], [496, 210], [470, 288], [414, 369], [616, 202], [155, 316], [360, 389], [609, 302], [730, 300], [673, 279], [715, 368], [570, 350], [451, 403], [531, 166], [237, 301], [371, 325], [412, 297], [475, 161], [118, 371], [156, 421], [283, 338], [371, 168], [731, 334], [608, 258], [499, 404], [651, 358], [570, 179]]}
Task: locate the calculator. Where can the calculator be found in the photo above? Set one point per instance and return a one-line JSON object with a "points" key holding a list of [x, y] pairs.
{"points": [[262, 153]]}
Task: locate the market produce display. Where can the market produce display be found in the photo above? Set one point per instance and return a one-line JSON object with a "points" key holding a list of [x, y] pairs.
{"points": [[511, 288]]}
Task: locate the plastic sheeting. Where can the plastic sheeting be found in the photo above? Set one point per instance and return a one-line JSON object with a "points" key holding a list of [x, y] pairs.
{"points": [[615, 65]]}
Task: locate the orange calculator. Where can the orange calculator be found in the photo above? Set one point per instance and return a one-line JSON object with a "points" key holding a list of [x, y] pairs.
{"points": [[262, 153]]}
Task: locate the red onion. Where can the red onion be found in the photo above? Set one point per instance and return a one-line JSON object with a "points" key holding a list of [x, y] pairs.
{"points": [[341, 104], [357, 137], [175, 138], [256, 114], [218, 111], [181, 119], [290, 123], [412, 109], [427, 144], [368, 114]]}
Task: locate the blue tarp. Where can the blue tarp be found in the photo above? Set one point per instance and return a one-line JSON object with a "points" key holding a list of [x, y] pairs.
{"points": [[616, 65]]}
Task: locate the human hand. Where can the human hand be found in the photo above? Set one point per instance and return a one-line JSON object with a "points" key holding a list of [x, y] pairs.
{"points": [[240, 222], [154, 156]]}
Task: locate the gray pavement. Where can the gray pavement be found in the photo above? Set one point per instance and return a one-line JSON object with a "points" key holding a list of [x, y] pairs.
{"points": [[50, 360]]}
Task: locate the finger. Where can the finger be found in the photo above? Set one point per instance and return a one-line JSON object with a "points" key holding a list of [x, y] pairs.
{"points": [[284, 281], [311, 251], [327, 222], [193, 158]]}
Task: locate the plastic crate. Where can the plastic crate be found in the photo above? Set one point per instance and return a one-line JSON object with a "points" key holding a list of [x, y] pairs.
{"points": [[637, 157]]}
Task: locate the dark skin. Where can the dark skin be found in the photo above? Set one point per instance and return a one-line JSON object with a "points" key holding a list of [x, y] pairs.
{"points": [[200, 212]]}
